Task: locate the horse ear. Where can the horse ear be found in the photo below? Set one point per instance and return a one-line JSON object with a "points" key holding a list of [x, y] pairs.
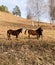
{"points": [[21, 28], [39, 27]]}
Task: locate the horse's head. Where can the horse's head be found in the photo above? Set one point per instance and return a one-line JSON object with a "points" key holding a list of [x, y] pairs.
{"points": [[21, 30], [39, 30]]}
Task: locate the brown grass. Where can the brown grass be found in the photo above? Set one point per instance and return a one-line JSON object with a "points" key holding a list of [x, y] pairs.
{"points": [[25, 51]]}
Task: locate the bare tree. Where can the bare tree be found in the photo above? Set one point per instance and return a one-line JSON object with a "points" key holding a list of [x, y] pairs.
{"points": [[52, 10], [37, 9]]}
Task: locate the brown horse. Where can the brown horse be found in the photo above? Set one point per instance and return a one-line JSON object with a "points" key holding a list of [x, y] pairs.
{"points": [[13, 32], [37, 32]]}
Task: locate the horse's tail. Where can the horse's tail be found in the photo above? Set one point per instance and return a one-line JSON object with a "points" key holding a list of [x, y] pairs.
{"points": [[25, 31], [8, 34]]}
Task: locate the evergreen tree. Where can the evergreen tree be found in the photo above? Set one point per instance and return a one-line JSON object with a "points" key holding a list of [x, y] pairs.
{"points": [[4, 8], [16, 11]]}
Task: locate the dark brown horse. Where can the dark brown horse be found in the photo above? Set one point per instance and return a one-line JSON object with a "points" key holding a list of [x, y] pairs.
{"points": [[13, 32], [37, 32]]}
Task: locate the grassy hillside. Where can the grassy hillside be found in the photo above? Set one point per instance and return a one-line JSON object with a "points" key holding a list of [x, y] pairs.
{"points": [[25, 51], [9, 18]]}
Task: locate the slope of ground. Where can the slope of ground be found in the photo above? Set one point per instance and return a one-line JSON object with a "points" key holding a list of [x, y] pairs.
{"points": [[25, 51], [9, 18]]}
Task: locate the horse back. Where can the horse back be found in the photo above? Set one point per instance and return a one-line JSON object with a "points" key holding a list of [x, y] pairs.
{"points": [[13, 32], [32, 32]]}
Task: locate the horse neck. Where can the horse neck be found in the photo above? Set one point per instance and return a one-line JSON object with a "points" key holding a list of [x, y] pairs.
{"points": [[38, 30], [17, 30]]}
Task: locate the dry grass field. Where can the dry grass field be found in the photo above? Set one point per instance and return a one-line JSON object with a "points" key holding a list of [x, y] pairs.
{"points": [[25, 51]]}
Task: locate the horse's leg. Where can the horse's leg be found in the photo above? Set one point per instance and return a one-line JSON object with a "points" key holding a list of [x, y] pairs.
{"points": [[41, 36], [29, 36], [17, 37], [37, 36], [8, 35]]}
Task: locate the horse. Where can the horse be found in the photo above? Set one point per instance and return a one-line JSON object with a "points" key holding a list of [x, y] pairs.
{"points": [[14, 33], [37, 32]]}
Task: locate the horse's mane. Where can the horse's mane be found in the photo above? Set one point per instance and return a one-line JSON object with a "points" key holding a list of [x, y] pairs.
{"points": [[19, 29], [39, 29]]}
